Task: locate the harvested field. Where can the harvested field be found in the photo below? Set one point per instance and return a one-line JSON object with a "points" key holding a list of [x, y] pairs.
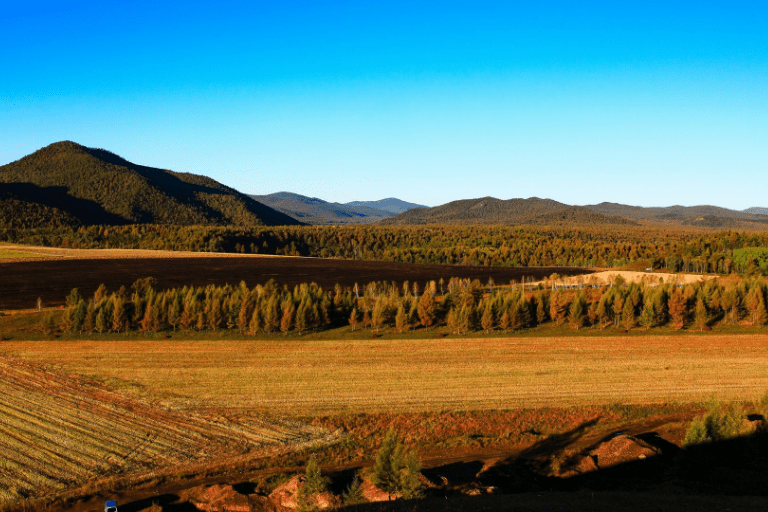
{"points": [[22, 282], [59, 430], [304, 377]]}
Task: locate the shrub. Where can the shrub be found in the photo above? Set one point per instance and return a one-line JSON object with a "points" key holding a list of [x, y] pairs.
{"points": [[718, 424]]}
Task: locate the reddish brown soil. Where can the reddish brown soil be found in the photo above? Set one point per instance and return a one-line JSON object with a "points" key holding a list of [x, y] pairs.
{"points": [[21, 283]]}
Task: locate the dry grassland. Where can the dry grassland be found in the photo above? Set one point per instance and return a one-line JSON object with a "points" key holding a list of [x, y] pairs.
{"points": [[16, 252], [302, 377], [59, 430]]}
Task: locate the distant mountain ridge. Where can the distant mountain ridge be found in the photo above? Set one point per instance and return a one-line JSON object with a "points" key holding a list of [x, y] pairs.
{"points": [[757, 210], [390, 204], [313, 210], [66, 183], [536, 211], [490, 210]]}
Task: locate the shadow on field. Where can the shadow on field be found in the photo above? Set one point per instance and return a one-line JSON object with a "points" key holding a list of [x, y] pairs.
{"points": [[168, 502], [728, 474]]}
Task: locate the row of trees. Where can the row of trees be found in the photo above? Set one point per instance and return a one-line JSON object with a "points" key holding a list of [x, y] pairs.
{"points": [[461, 305], [672, 250]]}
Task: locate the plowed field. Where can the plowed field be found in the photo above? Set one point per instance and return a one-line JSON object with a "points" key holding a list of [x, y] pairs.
{"points": [[22, 282], [59, 430]]}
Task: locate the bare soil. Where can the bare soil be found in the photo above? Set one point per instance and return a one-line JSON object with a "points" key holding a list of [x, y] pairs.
{"points": [[23, 281]]}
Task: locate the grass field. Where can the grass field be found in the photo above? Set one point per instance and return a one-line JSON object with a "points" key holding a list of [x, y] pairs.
{"points": [[306, 378]]}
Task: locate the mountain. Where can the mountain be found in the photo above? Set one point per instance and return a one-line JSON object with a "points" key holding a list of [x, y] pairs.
{"points": [[705, 216], [489, 210], [673, 213], [316, 211], [67, 183], [390, 204], [757, 210]]}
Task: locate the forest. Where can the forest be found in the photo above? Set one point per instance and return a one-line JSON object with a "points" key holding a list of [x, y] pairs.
{"points": [[462, 305], [672, 250]]}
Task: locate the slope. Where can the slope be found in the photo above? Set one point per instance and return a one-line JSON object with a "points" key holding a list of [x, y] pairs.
{"points": [[489, 210], [94, 186]]}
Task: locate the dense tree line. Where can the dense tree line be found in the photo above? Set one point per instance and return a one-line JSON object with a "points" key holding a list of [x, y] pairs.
{"points": [[463, 306], [670, 250]]}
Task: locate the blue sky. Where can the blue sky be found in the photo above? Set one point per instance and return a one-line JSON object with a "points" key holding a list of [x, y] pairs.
{"points": [[645, 103]]}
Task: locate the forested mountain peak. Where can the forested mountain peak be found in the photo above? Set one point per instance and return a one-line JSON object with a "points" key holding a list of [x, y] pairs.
{"points": [[96, 186], [482, 210]]}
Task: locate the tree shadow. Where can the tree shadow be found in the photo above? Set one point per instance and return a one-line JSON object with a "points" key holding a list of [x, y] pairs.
{"points": [[168, 502], [85, 211], [190, 190]]}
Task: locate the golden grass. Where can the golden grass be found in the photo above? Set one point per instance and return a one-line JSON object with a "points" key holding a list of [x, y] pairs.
{"points": [[303, 377], [18, 252]]}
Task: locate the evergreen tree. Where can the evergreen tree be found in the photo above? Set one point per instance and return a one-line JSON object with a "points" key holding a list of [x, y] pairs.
{"points": [[677, 308], [576, 311], [487, 321], [287, 319], [648, 315], [396, 470], [119, 317], [354, 493], [314, 483], [701, 318], [401, 319], [541, 309], [628, 314], [426, 310]]}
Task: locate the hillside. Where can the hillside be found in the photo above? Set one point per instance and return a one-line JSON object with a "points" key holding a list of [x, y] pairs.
{"points": [[578, 215], [390, 204], [668, 214], [316, 211], [489, 210], [757, 210], [72, 184]]}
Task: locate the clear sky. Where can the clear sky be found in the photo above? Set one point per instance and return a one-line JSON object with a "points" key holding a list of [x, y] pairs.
{"points": [[645, 103]]}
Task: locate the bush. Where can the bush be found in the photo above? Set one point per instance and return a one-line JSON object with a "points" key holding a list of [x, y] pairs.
{"points": [[718, 424]]}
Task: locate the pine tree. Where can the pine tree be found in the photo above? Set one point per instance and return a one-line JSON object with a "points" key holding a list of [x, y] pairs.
{"points": [[386, 468], [541, 309], [354, 493], [119, 318], [396, 470], [314, 483], [576, 312], [701, 318], [648, 315], [353, 318], [426, 310], [487, 320], [401, 319], [287, 319], [628, 314], [255, 323], [677, 308]]}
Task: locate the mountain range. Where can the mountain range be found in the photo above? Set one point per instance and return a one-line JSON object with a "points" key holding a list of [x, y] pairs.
{"points": [[316, 211], [536, 211], [66, 184]]}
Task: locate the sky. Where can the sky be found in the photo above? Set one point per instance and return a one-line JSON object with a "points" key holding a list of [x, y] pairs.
{"points": [[643, 103]]}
